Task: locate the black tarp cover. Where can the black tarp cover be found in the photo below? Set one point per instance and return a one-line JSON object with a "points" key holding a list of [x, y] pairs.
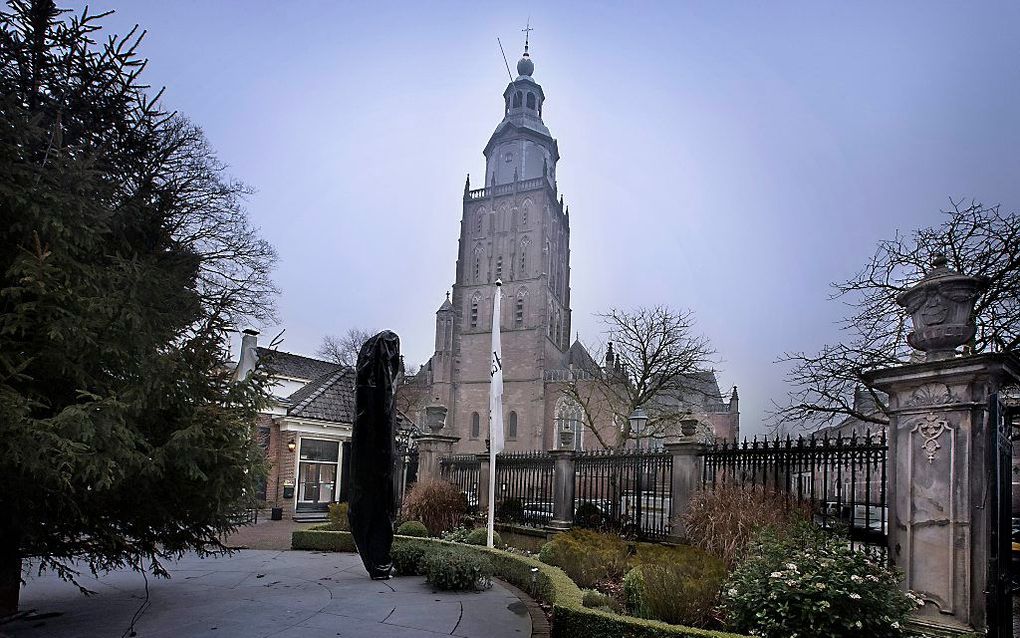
{"points": [[373, 453]]}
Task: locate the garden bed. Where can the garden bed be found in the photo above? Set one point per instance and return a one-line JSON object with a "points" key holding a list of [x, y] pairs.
{"points": [[543, 582]]}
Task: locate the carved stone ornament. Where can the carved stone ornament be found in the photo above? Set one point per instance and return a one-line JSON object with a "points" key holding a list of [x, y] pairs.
{"points": [[931, 394], [942, 306], [931, 427]]}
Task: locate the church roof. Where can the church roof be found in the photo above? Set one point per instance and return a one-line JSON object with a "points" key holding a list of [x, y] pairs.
{"points": [[446, 305], [579, 357], [328, 398], [286, 364], [520, 123]]}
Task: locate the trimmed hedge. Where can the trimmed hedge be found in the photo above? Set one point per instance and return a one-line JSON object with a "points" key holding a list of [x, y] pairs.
{"points": [[322, 540], [571, 619]]}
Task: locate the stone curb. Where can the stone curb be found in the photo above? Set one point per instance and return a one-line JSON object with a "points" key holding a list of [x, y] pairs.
{"points": [[540, 627]]}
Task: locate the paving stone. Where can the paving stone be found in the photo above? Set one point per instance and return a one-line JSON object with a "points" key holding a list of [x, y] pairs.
{"points": [[265, 594]]}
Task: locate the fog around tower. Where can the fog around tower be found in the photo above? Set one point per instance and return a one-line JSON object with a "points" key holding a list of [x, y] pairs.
{"points": [[731, 159]]}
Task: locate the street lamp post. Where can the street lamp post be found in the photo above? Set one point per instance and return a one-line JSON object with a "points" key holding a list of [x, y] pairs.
{"points": [[638, 419]]}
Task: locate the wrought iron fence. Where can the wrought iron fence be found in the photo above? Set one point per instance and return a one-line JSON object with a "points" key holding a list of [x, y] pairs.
{"points": [[462, 471], [843, 478], [628, 492], [524, 488]]}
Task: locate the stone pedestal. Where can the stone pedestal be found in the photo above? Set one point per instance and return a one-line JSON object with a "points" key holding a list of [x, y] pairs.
{"points": [[938, 482], [431, 449], [563, 491], [688, 467]]}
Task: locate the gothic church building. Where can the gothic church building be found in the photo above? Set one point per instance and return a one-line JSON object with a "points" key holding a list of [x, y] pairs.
{"points": [[516, 229]]}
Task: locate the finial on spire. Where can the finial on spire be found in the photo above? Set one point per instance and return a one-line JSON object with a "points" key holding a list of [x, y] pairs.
{"points": [[525, 66], [467, 183]]}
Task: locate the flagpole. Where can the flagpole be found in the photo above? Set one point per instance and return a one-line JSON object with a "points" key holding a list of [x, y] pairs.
{"points": [[495, 410], [492, 494]]}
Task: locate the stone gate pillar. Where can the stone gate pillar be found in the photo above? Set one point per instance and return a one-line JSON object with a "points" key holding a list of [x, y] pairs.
{"points": [[433, 446], [563, 491], [688, 467], [938, 470]]}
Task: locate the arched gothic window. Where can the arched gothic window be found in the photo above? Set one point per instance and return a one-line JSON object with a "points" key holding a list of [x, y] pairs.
{"points": [[522, 294], [499, 267], [531, 100], [523, 265], [569, 425], [474, 309], [476, 427], [478, 264], [511, 425], [517, 99]]}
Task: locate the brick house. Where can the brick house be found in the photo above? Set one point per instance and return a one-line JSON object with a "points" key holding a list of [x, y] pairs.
{"points": [[306, 432]]}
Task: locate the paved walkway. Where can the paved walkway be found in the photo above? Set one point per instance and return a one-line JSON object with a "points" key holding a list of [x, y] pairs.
{"points": [[266, 534], [262, 593]]}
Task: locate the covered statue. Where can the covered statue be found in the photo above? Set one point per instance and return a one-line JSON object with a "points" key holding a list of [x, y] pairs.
{"points": [[372, 503]]}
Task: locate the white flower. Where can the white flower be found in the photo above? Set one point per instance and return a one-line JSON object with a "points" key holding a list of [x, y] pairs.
{"points": [[776, 575], [791, 567], [896, 624], [855, 596], [732, 593], [819, 586], [855, 578]]}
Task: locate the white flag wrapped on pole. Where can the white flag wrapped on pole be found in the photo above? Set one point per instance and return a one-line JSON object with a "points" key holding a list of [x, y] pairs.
{"points": [[496, 372], [495, 408]]}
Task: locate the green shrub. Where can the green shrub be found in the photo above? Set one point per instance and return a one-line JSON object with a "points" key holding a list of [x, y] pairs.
{"points": [[322, 540], [480, 536], [587, 557], [634, 592], [439, 505], [594, 599], [338, 517], [413, 528], [455, 569], [723, 520], [680, 593], [510, 510], [409, 558], [808, 582]]}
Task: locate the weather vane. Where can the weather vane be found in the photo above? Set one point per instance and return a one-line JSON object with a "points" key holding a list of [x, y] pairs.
{"points": [[527, 33]]}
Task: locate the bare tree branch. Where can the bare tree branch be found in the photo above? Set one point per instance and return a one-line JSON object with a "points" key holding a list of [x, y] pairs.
{"points": [[828, 386]]}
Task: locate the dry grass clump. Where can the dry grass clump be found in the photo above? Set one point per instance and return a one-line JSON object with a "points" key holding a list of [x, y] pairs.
{"points": [[722, 521], [439, 505]]}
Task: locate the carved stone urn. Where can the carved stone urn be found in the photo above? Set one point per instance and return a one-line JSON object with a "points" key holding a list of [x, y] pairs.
{"points": [[942, 307], [688, 427], [435, 418]]}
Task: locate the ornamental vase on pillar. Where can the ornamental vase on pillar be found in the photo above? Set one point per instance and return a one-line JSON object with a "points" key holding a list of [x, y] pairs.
{"points": [[942, 306]]}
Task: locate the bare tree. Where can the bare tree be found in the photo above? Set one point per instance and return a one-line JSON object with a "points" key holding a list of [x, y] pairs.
{"points": [[343, 349], [977, 240], [655, 361]]}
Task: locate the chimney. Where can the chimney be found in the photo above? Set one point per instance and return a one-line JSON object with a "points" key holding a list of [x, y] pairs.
{"points": [[248, 357]]}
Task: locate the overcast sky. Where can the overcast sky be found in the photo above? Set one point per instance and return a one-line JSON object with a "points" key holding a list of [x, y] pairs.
{"points": [[733, 158]]}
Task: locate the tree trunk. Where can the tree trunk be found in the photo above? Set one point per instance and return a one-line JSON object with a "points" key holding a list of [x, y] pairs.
{"points": [[10, 572]]}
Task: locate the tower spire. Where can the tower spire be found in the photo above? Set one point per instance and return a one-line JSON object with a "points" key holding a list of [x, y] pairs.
{"points": [[527, 33]]}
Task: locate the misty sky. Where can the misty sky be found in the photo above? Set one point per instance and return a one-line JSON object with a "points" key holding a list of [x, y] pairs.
{"points": [[733, 158]]}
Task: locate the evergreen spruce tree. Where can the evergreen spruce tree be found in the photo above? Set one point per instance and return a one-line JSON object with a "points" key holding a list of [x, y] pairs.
{"points": [[125, 256]]}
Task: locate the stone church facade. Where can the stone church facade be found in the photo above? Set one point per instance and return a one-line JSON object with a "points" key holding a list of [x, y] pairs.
{"points": [[515, 228]]}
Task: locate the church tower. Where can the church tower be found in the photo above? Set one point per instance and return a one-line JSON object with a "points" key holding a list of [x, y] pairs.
{"points": [[514, 228]]}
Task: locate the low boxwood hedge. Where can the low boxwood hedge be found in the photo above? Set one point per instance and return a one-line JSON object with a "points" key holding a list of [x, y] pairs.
{"points": [[322, 540], [571, 619]]}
